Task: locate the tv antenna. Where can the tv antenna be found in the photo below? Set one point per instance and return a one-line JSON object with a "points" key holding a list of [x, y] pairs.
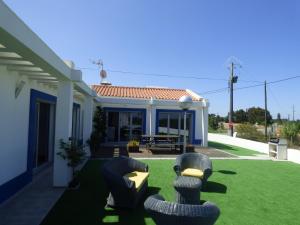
{"points": [[103, 74]]}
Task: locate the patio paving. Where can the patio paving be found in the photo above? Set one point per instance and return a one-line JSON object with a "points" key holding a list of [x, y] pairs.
{"points": [[31, 205], [118, 150]]}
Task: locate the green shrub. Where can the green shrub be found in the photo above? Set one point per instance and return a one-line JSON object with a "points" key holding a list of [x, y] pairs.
{"points": [[291, 130], [248, 131]]}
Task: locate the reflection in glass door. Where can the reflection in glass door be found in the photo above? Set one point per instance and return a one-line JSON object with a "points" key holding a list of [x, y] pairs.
{"points": [[136, 125], [45, 133], [113, 126], [124, 126], [171, 123]]}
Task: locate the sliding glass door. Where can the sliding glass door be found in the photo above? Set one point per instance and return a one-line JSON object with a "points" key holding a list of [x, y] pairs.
{"points": [[172, 123], [124, 126], [45, 113]]}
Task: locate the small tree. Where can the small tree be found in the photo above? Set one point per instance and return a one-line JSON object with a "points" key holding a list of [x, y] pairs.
{"points": [[257, 115], [291, 130], [99, 129], [213, 121], [240, 116]]}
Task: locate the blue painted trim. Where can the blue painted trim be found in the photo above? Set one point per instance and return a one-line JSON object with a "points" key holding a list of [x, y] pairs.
{"points": [[197, 142], [180, 111], [14, 185], [143, 111], [32, 133]]}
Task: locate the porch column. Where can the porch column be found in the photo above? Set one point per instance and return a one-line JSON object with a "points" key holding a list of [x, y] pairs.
{"points": [[148, 120], [88, 119], [153, 120], [63, 130], [204, 124]]}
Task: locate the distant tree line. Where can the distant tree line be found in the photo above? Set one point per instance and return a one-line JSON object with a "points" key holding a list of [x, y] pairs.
{"points": [[253, 115]]}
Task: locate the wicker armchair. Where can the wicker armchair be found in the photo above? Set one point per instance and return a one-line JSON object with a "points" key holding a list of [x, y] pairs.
{"points": [[195, 161], [169, 213], [123, 193]]}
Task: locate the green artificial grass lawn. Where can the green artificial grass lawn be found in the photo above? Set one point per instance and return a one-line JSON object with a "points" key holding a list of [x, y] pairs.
{"points": [[246, 191], [233, 149]]}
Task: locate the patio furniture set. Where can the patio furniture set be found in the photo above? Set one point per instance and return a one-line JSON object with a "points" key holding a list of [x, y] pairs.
{"points": [[126, 179]]}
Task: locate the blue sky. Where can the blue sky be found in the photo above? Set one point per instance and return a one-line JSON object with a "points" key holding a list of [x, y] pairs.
{"points": [[179, 38]]}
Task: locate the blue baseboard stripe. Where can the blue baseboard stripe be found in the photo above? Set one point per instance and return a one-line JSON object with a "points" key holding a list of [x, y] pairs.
{"points": [[13, 186]]}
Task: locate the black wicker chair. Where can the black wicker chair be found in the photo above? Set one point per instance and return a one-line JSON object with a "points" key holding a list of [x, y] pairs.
{"points": [[169, 213], [195, 161], [123, 193]]}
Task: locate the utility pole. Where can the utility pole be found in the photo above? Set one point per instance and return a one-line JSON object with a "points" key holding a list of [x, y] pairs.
{"points": [[232, 80], [266, 109], [293, 112]]}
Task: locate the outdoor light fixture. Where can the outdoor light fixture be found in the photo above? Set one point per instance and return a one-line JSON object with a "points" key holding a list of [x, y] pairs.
{"points": [[19, 87], [185, 102]]}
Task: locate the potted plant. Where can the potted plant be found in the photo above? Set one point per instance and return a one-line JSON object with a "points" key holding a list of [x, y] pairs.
{"points": [[190, 148], [74, 153], [133, 146]]}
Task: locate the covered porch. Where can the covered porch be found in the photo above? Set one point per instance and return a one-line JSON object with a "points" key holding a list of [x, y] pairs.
{"points": [[44, 100]]}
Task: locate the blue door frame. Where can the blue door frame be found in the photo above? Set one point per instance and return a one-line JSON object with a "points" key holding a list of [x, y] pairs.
{"points": [[14, 185], [194, 140]]}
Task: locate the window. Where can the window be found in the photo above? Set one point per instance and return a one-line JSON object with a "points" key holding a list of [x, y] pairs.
{"points": [[76, 123], [124, 125], [172, 123]]}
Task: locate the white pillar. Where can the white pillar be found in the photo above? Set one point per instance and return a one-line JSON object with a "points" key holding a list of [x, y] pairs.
{"points": [[153, 120], [88, 112], [184, 132], [204, 125], [149, 120], [63, 128]]}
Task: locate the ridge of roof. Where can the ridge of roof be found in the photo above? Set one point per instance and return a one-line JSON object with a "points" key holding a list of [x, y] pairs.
{"points": [[157, 88]]}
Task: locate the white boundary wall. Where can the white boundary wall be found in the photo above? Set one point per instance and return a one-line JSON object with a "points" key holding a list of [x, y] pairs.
{"points": [[293, 155], [253, 145]]}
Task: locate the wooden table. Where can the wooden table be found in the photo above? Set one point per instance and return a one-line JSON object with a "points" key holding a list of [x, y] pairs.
{"points": [[161, 142]]}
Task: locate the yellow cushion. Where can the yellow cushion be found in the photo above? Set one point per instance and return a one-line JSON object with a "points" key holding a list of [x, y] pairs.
{"points": [[138, 178], [192, 173]]}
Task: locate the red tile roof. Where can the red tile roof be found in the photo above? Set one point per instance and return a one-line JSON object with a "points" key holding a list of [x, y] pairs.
{"points": [[142, 92]]}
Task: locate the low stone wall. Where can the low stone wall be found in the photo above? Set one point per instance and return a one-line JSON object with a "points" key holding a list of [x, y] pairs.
{"points": [[293, 155]]}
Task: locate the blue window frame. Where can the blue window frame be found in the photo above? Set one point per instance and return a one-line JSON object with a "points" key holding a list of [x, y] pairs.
{"points": [[168, 124]]}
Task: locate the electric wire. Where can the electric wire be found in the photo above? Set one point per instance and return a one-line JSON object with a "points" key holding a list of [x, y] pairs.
{"points": [[196, 77]]}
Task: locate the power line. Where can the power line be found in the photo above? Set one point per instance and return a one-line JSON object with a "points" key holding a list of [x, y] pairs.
{"points": [[275, 98], [168, 75], [216, 91]]}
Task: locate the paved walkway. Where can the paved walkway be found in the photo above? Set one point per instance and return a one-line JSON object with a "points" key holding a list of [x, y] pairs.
{"points": [[31, 205], [115, 151]]}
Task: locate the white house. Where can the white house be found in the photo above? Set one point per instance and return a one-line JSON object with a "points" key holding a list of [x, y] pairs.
{"points": [[134, 111], [43, 99]]}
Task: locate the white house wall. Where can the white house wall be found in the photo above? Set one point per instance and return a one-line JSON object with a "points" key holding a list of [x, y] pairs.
{"points": [[160, 104], [14, 121]]}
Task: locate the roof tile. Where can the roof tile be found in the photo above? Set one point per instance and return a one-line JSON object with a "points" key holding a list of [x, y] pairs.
{"points": [[141, 92]]}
